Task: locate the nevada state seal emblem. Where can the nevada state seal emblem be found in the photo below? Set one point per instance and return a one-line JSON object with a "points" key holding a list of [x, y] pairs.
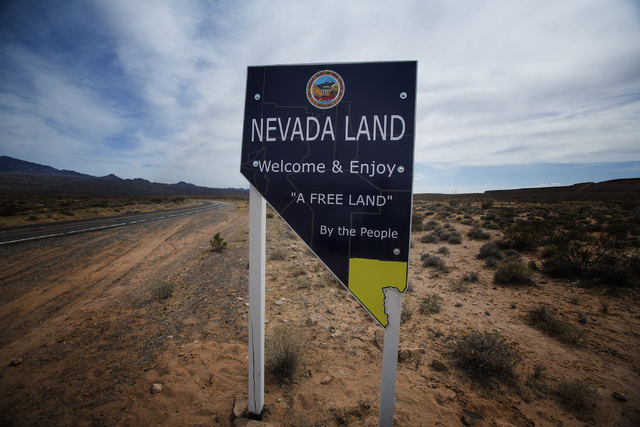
{"points": [[325, 89]]}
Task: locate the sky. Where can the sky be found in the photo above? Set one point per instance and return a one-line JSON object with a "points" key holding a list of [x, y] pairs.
{"points": [[511, 94]]}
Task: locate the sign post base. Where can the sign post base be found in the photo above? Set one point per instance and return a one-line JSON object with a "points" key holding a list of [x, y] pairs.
{"points": [[393, 301]]}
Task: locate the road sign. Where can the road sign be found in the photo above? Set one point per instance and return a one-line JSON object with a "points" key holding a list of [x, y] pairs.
{"points": [[330, 147]]}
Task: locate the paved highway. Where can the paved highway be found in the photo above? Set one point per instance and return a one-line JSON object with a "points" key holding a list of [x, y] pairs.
{"points": [[53, 229]]}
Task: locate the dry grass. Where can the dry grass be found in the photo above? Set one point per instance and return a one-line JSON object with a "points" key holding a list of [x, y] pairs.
{"points": [[284, 347]]}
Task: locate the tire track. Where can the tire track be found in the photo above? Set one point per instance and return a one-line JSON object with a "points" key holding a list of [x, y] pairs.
{"points": [[80, 274]]}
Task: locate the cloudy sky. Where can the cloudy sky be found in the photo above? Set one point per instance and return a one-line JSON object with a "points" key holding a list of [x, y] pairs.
{"points": [[511, 93]]}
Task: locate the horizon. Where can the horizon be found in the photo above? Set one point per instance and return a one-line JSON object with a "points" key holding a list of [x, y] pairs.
{"points": [[247, 188], [510, 95]]}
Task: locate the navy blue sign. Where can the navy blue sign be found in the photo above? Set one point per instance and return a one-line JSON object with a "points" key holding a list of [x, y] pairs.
{"points": [[330, 147]]}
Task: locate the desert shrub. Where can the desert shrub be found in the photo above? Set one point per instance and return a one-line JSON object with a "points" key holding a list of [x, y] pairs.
{"points": [[458, 285], [556, 267], [468, 222], [303, 283], [581, 252], [577, 395], [470, 276], [490, 216], [278, 254], [417, 222], [544, 320], [485, 355], [298, 271], [490, 262], [513, 273], [490, 249], [511, 255], [507, 212], [217, 243], [429, 238], [538, 370], [405, 314], [504, 244], [161, 289], [526, 235], [573, 254], [284, 347], [493, 226], [616, 271], [455, 239], [430, 225], [431, 304], [433, 261], [444, 235], [478, 234], [443, 250], [487, 205]]}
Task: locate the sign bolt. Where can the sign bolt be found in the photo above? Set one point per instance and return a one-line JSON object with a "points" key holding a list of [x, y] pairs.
{"points": [[255, 163], [396, 251], [256, 97], [400, 169], [403, 95]]}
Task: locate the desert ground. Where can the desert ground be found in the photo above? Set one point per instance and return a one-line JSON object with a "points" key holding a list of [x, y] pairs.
{"points": [[87, 337]]}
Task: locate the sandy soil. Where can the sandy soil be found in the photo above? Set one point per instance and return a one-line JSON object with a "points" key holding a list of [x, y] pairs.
{"points": [[83, 341]]}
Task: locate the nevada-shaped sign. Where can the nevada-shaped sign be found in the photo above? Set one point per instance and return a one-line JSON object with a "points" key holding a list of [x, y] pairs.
{"points": [[330, 147]]}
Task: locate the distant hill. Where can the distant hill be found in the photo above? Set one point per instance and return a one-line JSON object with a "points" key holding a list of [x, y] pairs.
{"points": [[19, 177], [613, 190], [618, 190]]}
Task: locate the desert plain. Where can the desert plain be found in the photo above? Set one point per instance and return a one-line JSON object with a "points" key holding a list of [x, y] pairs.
{"points": [[516, 314]]}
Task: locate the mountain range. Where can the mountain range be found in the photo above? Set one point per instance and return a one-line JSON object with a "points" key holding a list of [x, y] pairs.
{"points": [[19, 177]]}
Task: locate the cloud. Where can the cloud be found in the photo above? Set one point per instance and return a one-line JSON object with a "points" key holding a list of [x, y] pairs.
{"points": [[157, 87]]}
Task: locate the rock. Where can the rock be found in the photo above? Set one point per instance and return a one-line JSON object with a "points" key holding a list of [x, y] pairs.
{"points": [[458, 303], [326, 380], [312, 321], [439, 366], [15, 362], [279, 302], [156, 388], [469, 418], [240, 407], [619, 396], [444, 396], [246, 422], [404, 355]]}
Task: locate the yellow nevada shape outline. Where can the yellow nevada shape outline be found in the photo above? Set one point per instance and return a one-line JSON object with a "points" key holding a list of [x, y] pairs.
{"points": [[369, 277]]}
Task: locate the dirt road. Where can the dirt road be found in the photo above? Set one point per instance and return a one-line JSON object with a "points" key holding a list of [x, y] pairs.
{"points": [[79, 324]]}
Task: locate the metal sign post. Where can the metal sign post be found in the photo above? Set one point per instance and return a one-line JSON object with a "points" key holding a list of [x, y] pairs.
{"points": [[257, 239], [330, 147]]}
